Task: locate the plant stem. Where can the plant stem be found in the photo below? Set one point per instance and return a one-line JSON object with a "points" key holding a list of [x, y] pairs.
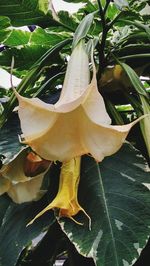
{"points": [[106, 6], [101, 45], [106, 27], [101, 12]]}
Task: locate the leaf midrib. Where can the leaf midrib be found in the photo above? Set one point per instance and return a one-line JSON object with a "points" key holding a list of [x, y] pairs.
{"points": [[107, 214]]}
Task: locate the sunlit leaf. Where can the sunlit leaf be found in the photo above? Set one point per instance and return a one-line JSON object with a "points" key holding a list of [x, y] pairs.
{"points": [[4, 22], [29, 12]]}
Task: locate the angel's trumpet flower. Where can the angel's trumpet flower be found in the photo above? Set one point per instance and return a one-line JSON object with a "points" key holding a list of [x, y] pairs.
{"points": [[66, 199], [78, 123], [15, 181]]}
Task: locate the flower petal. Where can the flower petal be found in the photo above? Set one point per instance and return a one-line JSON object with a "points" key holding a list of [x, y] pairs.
{"points": [[63, 141], [94, 105], [103, 141], [27, 191], [35, 116], [75, 83]]}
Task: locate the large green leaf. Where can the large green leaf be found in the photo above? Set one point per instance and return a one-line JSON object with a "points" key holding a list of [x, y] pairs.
{"points": [[24, 57], [28, 12], [44, 38], [114, 195], [9, 140], [15, 235], [4, 204], [17, 37]]}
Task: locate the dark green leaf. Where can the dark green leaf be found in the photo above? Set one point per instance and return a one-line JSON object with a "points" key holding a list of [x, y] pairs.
{"points": [[134, 79], [29, 12], [14, 233], [24, 57], [4, 204], [9, 141], [114, 195]]}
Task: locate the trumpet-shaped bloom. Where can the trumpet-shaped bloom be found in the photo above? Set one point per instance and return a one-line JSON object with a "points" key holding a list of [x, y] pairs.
{"points": [[19, 186], [66, 199], [78, 123]]}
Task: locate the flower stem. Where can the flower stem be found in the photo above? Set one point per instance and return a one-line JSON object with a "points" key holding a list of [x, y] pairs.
{"points": [[101, 45], [106, 6]]}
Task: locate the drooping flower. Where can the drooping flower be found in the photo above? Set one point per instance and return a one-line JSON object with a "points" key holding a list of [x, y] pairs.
{"points": [[66, 199], [78, 123], [22, 177]]}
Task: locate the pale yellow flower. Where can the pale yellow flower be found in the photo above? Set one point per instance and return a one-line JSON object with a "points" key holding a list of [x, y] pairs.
{"points": [[78, 123], [22, 178], [66, 199]]}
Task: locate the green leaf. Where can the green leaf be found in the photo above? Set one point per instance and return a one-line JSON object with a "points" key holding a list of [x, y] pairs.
{"points": [[83, 29], [27, 82], [4, 34], [4, 22], [122, 4], [24, 57], [17, 37], [9, 141], [67, 21], [114, 195], [44, 38], [15, 235], [138, 24], [134, 79], [29, 12], [44, 6], [4, 204]]}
